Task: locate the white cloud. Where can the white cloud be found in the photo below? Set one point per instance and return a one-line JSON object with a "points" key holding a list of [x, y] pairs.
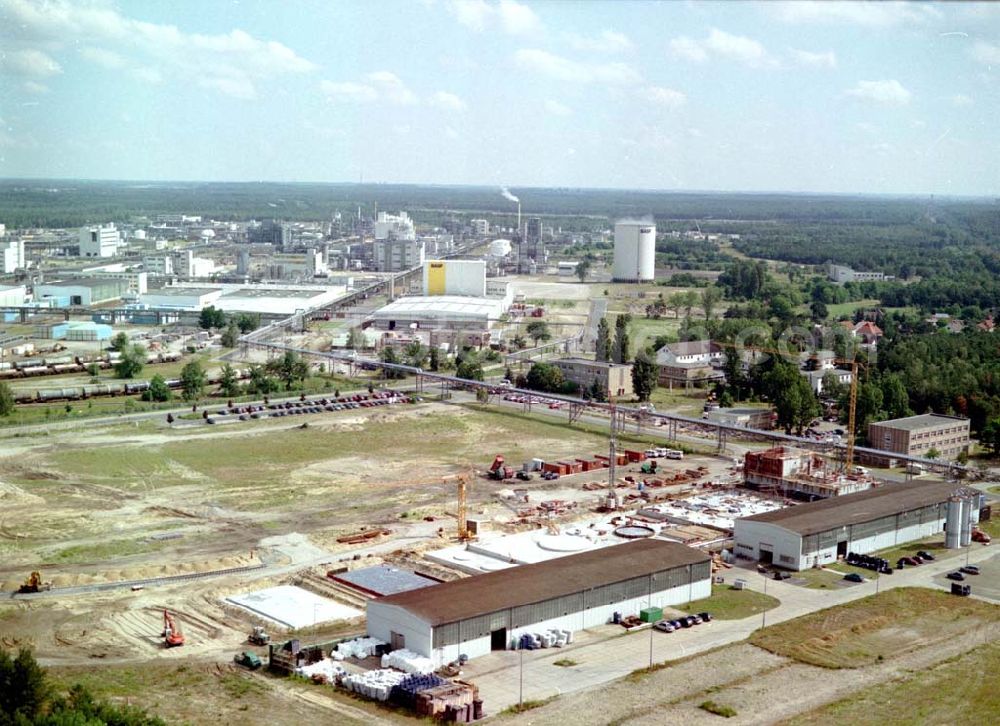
{"points": [[231, 63], [448, 101], [565, 69], [688, 48], [514, 17], [815, 60], [30, 62], [609, 41], [35, 88], [379, 85], [960, 99], [736, 47], [105, 58], [557, 109], [348, 91], [986, 53], [721, 44], [391, 88], [473, 14], [666, 97], [888, 92], [870, 14], [518, 19]]}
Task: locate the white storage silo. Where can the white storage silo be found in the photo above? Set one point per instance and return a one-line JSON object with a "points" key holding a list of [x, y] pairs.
{"points": [[966, 537], [953, 524], [635, 252]]}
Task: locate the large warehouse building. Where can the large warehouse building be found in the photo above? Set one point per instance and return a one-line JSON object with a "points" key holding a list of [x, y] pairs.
{"points": [[479, 614], [817, 533]]}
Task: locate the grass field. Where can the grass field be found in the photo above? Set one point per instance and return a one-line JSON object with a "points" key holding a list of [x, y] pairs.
{"points": [[961, 690], [871, 629], [727, 603], [198, 693]]}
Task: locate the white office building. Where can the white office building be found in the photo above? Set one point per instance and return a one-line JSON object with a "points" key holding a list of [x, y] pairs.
{"points": [[13, 255], [99, 241]]}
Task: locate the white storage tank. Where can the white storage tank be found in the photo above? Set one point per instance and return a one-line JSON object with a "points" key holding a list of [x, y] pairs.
{"points": [[953, 524], [635, 251], [966, 522]]}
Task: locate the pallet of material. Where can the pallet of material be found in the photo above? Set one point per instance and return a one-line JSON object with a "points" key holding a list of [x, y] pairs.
{"points": [[359, 537], [434, 702]]}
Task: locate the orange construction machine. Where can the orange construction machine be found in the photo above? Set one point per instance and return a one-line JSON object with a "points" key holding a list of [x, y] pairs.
{"points": [[172, 635]]}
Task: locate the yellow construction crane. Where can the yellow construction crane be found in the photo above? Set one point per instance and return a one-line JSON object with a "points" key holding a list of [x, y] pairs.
{"points": [[852, 398], [462, 511]]}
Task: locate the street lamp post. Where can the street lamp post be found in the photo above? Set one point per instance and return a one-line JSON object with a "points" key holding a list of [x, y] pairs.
{"points": [[520, 678], [763, 613]]}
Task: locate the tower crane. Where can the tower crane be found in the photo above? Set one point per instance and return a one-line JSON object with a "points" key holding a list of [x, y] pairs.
{"points": [[855, 364]]}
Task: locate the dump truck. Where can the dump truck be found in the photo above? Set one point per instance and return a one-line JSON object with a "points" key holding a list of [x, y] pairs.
{"points": [[498, 471]]}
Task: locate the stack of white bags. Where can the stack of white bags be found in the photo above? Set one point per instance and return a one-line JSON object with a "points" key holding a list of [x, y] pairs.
{"points": [[373, 684], [357, 648], [407, 661]]}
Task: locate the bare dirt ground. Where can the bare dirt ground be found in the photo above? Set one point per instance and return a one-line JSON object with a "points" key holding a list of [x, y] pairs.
{"points": [[759, 686]]}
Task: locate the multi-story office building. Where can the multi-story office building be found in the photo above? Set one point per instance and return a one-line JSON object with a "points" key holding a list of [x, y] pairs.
{"points": [[100, 241], [614, 378], [270, 232], [396, 255], [916, 435]]}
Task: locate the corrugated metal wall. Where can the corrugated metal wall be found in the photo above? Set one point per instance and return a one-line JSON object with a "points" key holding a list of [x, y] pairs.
{"points": [[526, 615]]}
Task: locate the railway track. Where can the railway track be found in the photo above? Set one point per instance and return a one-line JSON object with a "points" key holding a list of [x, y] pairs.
{"points": [[165, 580]]}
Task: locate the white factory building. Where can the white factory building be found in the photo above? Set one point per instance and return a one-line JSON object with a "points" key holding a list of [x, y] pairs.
{"points": [[394, 226], [479, 614], [100, 241], [635, 251], [818, 533], [398, 255], [237, 298], [455, 277]]}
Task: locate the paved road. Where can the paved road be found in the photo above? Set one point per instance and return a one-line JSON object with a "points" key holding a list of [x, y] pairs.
{"points": [[604, 654]]}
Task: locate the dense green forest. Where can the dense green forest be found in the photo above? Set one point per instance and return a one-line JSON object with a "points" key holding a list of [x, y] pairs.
{"points": [[61, 203]]}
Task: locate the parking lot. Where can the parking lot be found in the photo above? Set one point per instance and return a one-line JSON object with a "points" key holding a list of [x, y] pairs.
{"points": [[985, 585]]}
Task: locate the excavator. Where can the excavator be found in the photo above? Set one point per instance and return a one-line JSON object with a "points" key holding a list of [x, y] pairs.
{"points": [[172, 635], [498, 471], [34, 584]]}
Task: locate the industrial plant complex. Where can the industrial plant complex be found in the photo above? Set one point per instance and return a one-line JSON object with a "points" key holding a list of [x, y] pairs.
{"points": [[434, 457]]}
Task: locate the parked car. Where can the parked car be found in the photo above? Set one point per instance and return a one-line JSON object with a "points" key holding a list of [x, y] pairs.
{"points": [[970, 569], [926, 555], [687, 622], [956, 575], [781, 575], [665, 625], [705, 617], [853, 577]]}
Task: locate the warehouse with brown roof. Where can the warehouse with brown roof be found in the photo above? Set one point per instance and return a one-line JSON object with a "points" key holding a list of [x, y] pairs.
{"points": [[818, 533], [478, 614]]}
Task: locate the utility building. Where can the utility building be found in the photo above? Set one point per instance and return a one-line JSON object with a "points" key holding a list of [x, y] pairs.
{"points": [[916, 435], [478, 614], [819, 533]]}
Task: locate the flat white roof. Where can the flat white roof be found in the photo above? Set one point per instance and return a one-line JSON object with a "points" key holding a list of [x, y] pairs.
{"points": [[293, 607], [444, 306]]}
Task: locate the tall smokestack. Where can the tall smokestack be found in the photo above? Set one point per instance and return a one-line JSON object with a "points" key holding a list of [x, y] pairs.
{"points": [[518, 219], [505, 193]]}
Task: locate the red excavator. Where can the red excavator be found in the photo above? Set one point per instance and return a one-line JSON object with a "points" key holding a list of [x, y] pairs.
{"points": [[498, 471], [172, 635]]}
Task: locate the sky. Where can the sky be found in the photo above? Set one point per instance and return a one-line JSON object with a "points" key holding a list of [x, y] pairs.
{"points": [[857, 97]]}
